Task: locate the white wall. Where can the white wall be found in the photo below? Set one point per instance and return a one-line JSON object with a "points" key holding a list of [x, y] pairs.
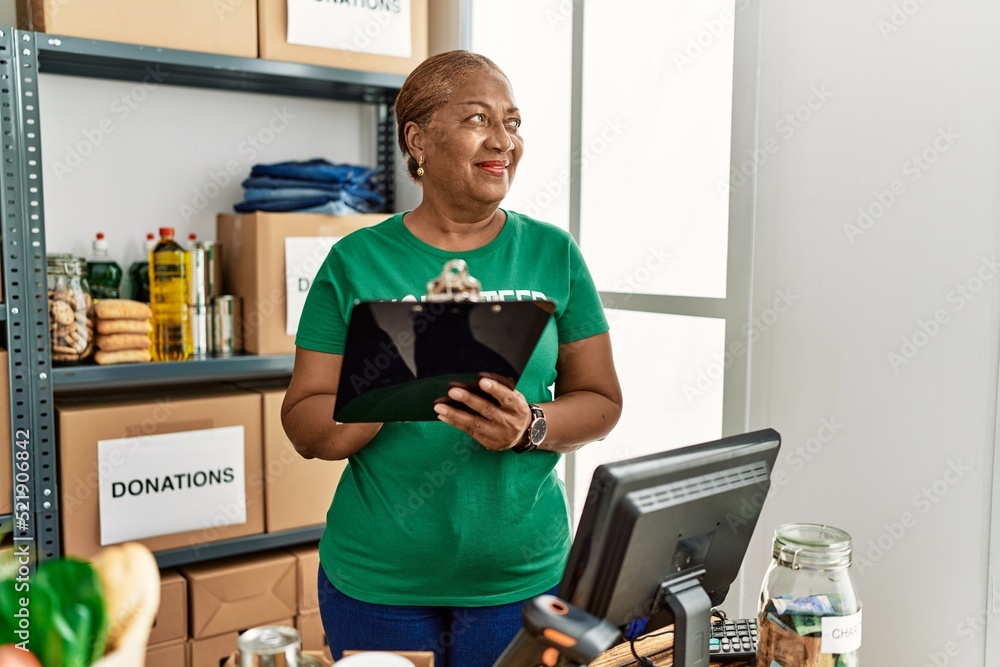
{"points": [[864, 440]]}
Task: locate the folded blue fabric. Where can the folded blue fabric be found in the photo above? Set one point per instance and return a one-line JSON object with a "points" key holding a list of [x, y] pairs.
{"points": [[315, 170], [272, 194], [261, 182], [282, 204]]}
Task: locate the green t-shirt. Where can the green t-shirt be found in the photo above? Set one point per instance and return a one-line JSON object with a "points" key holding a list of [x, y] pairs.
{"points": [[424, 515]]}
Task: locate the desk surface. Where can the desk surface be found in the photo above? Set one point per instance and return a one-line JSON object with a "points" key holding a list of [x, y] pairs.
{"points": [[658, 649]]}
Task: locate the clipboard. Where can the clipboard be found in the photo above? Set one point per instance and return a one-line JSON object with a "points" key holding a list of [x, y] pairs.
{"points": [[401, 357]]}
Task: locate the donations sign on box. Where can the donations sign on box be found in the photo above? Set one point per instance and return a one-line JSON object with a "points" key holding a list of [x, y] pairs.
{"points": [[379, 27], [171, 483], [303, 257]]}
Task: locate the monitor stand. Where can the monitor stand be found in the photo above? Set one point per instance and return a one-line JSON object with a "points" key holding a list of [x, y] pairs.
{"points": [[692, 611]]}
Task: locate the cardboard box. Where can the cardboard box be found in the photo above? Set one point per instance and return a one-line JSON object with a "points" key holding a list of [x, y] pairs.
{"points": [[6, 475], [170, 654], [228, 26], [220, 649], [171, 622], [253, 247], [307, 573], [273, 22], [297, 491], [240, 593], [310, 626], [82, 423]]}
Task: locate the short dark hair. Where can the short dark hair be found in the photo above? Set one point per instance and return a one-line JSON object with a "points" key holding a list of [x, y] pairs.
{"points": [[430, 86]]}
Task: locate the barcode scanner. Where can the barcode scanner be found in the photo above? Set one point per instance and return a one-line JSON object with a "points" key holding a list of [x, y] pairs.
{"points": [[557, 633]]}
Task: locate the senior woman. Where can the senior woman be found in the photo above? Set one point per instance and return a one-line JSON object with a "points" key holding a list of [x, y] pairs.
{"points": [[439, 531]]}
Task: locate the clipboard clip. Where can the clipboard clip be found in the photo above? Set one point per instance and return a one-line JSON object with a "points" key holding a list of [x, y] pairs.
{"points": [[454, 284]]}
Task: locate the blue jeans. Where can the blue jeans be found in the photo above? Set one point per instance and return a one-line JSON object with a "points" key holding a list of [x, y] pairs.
{"points": [[459, 636]]}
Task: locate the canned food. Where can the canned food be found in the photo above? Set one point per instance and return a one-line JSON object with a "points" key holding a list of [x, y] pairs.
{"points": [[200, 321], [225, 326], [269, 646], [205, 272]]}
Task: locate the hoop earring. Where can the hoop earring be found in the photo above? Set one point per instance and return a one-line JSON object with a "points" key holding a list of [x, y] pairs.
{"points": [[420, 167]]}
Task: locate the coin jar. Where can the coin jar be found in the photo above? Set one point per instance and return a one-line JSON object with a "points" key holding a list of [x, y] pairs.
{"points": [[809, 614], [71, 331]]}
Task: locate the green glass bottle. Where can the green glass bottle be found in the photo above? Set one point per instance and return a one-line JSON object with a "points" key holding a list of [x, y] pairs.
{"points": [[138, 273], [103, 273]]}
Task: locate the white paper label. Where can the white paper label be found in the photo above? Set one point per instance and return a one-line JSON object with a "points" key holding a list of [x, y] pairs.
{"points": [[380, 27], [303, 257], [841, 634], [170, 483]]}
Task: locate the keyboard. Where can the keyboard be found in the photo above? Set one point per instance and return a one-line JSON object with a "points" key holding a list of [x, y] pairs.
{"points": [[733, 640]]}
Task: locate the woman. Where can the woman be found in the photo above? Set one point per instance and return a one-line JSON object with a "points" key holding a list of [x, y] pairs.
{"points": [[439, 531]]}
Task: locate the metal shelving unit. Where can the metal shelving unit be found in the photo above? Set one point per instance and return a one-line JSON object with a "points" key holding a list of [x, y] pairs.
{"points": [[24, 315], [229, 369], [235, 547]]}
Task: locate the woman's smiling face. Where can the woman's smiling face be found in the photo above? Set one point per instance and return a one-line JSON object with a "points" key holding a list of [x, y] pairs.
{"points": [[473, 144]]}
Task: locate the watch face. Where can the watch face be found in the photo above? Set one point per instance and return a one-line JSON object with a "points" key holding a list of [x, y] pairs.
{"points": [[537, 431]]}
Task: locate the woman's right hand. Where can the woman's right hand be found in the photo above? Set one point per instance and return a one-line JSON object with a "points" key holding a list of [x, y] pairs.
{"points": [[307, 411]]}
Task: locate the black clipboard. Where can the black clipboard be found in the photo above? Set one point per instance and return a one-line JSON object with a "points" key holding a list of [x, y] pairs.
{"points": [[401, 357]]}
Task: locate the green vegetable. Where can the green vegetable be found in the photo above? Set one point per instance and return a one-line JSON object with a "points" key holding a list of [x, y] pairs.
{"points": [[67, 620]]}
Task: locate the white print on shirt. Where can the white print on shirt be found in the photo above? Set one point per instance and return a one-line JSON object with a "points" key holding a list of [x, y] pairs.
{"points": [[496, 295]]}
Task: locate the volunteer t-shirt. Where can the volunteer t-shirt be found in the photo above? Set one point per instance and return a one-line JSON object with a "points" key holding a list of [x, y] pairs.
{"points": [[424, 514]]}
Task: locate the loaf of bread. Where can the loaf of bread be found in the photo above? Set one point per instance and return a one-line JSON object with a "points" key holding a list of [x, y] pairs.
{"points": [[122, 341], [105, 357], [124, 326], [122, 309]]}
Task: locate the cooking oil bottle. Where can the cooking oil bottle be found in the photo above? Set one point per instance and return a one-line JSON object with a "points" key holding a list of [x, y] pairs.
{"points": [[168, 298]]}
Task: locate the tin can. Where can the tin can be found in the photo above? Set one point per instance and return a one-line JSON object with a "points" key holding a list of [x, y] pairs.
{"points": [[200, 321], [269, 646], [226, 321], [196, 293], [213, 268], [205, 272]]}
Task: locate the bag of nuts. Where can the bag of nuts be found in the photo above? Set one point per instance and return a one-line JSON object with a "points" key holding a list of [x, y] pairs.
{"points": [[70, 324]]}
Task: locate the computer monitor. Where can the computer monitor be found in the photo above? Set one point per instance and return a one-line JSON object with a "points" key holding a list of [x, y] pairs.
{"points": [[659, 534]]}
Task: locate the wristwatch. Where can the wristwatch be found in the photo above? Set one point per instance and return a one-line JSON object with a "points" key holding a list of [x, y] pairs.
{"points": [[535, 433]]}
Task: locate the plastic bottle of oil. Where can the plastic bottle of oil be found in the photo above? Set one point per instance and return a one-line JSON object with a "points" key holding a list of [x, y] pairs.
{"points": [[168, 298]]}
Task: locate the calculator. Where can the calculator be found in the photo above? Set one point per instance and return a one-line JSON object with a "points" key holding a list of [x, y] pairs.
{"points": [[733, 640]]}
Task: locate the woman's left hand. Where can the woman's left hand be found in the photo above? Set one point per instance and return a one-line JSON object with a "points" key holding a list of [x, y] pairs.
{"points": [[496, 426]]}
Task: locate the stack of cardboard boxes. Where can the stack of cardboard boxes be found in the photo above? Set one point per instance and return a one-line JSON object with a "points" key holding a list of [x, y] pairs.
{"points": [[229, 27]]}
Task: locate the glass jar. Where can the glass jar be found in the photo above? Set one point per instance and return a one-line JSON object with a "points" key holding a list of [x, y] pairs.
{"points": [[70, 326], [809, 614]]}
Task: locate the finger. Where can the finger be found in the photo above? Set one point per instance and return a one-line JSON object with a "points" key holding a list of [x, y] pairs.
{"points": [[462, 420], [484, 406], [502, 379], [509, 398]]}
